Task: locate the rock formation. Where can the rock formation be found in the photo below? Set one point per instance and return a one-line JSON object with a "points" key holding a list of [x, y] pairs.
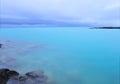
{"points": [[1, 45], [12, 77], [6, 74]]}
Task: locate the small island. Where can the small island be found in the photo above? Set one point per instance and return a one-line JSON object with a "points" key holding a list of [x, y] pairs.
{"points": [[105, 28]]}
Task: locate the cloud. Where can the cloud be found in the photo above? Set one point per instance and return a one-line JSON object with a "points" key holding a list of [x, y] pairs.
{"points": [[113, 6], [59, 12]]}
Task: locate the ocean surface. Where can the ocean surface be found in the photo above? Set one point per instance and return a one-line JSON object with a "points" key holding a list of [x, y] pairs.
{"points": [[66, 55]]}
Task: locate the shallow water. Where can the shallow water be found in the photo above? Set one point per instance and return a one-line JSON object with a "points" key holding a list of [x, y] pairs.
{"points": [[67, 55]]}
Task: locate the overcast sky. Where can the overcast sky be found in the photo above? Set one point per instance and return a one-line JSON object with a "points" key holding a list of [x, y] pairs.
{"points": [[60, 12]]}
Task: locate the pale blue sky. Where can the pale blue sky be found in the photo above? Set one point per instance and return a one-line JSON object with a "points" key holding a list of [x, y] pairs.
{"points": [[61, 12]]}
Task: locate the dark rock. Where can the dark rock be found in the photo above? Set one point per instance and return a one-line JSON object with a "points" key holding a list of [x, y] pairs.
{"points": [[12, 74], [38, 77], [35, 74], [22, 78], [35, 77], [4, 76], [1, 45], [12, 77]]}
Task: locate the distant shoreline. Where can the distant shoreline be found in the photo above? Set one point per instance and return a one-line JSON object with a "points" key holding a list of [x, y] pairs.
{"points": [[81, 27], [105, 28]]}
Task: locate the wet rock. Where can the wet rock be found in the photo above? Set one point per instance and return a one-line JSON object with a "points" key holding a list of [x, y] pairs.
{"points": [[37, 77], [35, 74], [4, 76], [12, 74], [19, 80], [13, 77], [1, 45]]}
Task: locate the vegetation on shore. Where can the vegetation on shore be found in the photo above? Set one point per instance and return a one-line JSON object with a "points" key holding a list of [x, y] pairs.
{"points": [[105, 28]]}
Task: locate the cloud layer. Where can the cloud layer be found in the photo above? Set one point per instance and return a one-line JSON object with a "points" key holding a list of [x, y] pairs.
{"points": [[61, 12]]}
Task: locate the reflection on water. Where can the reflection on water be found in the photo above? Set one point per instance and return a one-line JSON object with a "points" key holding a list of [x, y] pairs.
{"points": [[68, 56]]}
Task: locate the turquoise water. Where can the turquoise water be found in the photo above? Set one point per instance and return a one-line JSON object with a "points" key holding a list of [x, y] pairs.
{"points": [[67, 55]]}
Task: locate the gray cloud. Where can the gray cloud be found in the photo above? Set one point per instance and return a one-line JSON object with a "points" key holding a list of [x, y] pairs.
{"points": [[60, 12]]}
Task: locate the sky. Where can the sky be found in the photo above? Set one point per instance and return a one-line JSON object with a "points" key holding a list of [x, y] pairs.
{"points": [[60, 12]]}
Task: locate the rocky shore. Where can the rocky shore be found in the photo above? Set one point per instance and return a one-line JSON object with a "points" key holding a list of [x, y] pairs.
{"points": [[8, 76]]}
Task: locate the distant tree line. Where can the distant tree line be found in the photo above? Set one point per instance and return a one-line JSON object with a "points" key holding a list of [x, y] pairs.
{"points": [[105, 28]]}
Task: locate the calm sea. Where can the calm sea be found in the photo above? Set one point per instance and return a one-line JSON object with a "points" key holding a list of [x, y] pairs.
{"points": [[67, 55]]}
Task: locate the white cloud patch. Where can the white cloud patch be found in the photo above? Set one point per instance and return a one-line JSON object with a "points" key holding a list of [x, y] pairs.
{"points": [[113, 6]]}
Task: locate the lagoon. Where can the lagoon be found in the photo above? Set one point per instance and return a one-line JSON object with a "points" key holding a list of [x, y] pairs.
{"points": [[67, 55]]}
